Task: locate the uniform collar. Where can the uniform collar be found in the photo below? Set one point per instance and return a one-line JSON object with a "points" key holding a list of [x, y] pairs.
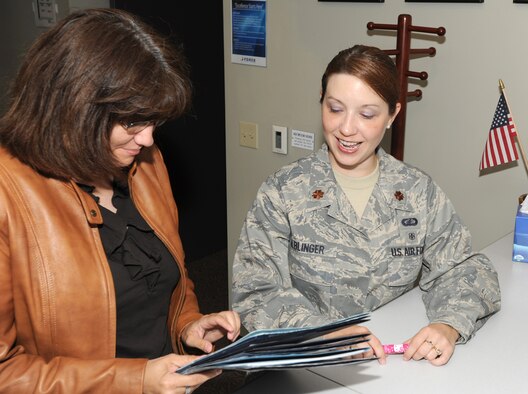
{"points": [[390, 182], [388, 192]]}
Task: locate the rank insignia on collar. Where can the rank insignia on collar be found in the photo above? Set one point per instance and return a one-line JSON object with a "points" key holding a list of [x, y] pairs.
{"points": [[398, 195], [318, 194]]}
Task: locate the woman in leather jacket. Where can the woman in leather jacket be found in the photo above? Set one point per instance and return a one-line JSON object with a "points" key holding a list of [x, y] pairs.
{"points": [[95, 294]]}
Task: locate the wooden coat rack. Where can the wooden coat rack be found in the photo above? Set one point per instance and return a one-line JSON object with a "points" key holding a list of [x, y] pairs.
{"points": [[402, 52]]}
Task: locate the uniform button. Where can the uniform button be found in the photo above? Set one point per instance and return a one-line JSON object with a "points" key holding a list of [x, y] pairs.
{"points": [[93, 213]]}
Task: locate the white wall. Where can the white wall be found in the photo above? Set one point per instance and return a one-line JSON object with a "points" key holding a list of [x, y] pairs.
{"points": [[445, 131]]}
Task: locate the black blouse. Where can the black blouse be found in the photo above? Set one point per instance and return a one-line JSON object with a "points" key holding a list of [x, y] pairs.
{"points": [[145, 275]]}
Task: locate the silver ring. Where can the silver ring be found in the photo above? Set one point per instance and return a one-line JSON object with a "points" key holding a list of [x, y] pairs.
{"points": [[187, 390]]}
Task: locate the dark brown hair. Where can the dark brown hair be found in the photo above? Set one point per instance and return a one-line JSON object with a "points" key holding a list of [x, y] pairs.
{"points": [[93, 69], [372, 66]]}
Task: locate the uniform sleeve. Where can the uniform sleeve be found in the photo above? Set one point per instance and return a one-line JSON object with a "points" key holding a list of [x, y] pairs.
{"points": [[262, 290], [461, 286]]}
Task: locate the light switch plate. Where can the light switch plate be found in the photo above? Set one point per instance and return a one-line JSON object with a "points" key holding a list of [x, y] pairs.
{"points": [[279, 142]]}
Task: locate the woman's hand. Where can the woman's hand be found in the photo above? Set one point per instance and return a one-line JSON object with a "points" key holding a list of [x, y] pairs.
{"points": [[161, 378], [374, 344], [435, 343], [203, 333]]}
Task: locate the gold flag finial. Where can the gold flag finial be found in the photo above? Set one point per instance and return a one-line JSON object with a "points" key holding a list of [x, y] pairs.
{"points": [[501, 84]]}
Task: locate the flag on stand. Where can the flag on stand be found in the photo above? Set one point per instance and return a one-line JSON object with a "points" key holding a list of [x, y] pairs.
{"points": [[500, 146]]}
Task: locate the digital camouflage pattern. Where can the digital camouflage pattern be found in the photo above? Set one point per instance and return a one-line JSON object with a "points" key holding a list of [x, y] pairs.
{"points": [[304, 258]]}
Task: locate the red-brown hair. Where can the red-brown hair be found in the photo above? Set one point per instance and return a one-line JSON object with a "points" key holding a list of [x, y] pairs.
{"points": [[370, 64]]}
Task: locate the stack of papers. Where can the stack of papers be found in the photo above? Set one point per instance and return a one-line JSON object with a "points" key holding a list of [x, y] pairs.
{"points": [[287, 348]]}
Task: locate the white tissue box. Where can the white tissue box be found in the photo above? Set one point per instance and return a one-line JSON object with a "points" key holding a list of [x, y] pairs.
{"points": [[520, 237]]}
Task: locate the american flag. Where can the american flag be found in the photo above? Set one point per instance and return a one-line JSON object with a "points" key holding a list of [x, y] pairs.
{"points": [[500, 146]]}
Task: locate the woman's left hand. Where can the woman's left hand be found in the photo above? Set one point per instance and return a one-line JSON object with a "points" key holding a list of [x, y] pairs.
{"points": [[435, 343], [203, 333]]}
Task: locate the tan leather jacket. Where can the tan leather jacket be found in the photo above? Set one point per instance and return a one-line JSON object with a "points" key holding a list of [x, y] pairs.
{"points": [[57, 300]]}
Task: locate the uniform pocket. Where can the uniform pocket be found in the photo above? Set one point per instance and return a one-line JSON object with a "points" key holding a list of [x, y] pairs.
{"points": [[317, 293], [313, 276], [405, 271]]}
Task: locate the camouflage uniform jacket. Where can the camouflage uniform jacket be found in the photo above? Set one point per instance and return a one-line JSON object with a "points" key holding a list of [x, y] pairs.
{"points": [[304, 257]]}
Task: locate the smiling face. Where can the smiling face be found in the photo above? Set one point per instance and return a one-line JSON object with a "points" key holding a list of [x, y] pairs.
{"points": [[126, 144], [354, 121]]}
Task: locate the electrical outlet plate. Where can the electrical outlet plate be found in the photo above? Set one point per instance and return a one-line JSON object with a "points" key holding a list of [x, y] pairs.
{"points": [[45, 12], [248, 134], [279, 139]]}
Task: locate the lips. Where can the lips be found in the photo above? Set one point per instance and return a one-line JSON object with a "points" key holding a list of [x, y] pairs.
{"points": [[133, 152], [348, 146]]}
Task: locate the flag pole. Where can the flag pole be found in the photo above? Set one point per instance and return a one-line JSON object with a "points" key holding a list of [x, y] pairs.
{"points": [[502, 88]]}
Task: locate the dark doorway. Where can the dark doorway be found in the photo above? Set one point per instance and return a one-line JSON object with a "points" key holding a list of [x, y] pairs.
{"points": [[194, 146]]}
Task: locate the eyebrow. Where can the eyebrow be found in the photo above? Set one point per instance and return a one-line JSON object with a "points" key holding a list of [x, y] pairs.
{"points": [[375, 106]]}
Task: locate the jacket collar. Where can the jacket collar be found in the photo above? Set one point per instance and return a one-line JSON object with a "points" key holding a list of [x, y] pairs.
{"points": [[90, 207]]}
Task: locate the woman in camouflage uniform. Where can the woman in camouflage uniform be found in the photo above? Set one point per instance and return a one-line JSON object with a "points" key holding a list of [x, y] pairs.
{"points": [[350, 228]]}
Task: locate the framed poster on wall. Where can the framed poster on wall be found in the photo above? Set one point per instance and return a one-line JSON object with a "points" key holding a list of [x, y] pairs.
{"points": [[248, 32]]}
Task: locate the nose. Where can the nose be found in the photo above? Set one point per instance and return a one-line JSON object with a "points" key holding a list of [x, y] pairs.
{"points": [[145, 137], [348, 126]]}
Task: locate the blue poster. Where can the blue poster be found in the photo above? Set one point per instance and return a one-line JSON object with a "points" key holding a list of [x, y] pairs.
{"points": [[248, 21]]}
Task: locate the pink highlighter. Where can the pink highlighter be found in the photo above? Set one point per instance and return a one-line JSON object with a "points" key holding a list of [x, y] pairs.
{"points": [[395, 349]]}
